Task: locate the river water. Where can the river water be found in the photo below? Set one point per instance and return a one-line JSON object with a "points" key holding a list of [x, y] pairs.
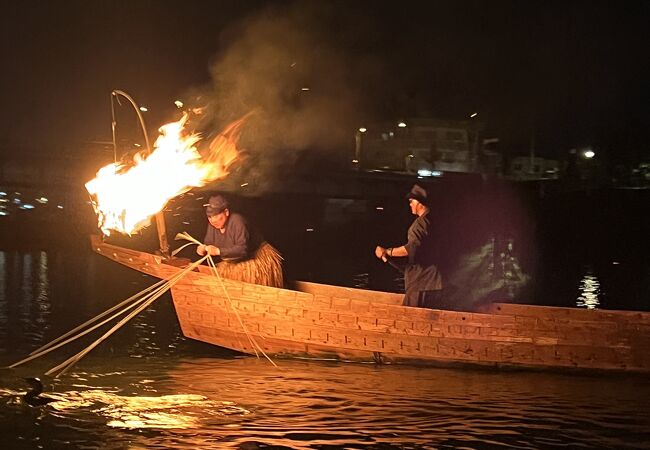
{"points": [[149, 387]]}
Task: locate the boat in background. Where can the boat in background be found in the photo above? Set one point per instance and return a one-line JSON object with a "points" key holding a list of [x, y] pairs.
{"points": [[330, 322]]}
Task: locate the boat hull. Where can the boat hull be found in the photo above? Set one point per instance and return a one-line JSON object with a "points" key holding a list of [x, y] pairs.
{"points": [[330, 322]]}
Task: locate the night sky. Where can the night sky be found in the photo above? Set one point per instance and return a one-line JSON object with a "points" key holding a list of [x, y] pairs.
{"points": [[576, 72]]}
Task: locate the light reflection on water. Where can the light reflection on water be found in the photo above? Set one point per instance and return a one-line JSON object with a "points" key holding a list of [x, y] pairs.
{"points": [[174, 411], [247, 403], [588, 292]]}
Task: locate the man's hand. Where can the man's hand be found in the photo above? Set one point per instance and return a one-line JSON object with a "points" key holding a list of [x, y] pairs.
{"points": [[380, 252], [201, 250], [212, 250]]}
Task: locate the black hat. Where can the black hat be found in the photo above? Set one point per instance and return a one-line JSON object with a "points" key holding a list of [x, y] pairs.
{"points": [[215, 205], [418, 193]]}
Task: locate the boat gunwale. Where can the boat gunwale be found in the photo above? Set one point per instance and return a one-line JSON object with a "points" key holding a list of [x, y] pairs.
{"points": [[493, 309]]}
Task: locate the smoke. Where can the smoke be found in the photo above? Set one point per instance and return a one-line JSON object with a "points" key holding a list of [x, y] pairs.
{"points": [[490, 273], [289, 67]]}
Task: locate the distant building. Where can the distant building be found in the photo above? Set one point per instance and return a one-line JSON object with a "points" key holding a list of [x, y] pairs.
{"points": [[419, 146], [535, 168], [635, 175], [491, 160]]}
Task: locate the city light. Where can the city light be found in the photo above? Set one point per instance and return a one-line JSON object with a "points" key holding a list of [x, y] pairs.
{"points": [[178, 103], [363, 129], [144, 109], [588, 154], [429, 173], [473, 115], [401, 125]]}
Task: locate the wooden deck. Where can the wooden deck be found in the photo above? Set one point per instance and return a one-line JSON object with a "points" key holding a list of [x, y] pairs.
{"points": [[322, 321]]}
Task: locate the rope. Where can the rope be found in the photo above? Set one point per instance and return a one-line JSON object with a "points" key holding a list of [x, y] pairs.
{"points": [[51, 347], [213, 266], [68, 363], [108, 311], [140, 302], [250, 338]]}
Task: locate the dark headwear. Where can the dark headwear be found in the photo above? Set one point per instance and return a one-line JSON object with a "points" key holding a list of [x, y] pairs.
{"points": [[418, 193], [215, 205]]}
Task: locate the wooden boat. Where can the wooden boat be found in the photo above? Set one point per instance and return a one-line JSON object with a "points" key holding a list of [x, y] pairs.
{"points": [[329, 322]]}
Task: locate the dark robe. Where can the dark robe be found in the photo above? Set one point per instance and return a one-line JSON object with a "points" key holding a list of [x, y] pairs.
{"points": [[237, 242], [421, 275]]}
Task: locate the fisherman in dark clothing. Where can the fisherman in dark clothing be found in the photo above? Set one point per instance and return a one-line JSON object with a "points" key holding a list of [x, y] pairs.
{"points": [[228, 235], [244, 255], [422, 280]]}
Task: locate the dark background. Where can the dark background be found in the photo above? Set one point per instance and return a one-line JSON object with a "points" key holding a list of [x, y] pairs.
{"points": [[574, 72]]}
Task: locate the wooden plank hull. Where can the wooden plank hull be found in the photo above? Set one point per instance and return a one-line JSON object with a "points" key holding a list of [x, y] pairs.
{"points": [[330, 322]]}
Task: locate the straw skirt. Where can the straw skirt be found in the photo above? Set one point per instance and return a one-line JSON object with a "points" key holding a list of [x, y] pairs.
{"points": [[264, 268]]}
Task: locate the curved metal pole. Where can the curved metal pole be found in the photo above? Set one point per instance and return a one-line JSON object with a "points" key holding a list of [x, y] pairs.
{"points": [[113, 127], [160, 217], [137, 111]]}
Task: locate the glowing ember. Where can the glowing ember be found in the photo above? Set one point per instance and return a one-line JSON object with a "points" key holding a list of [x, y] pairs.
{"points": [[126, 196]]}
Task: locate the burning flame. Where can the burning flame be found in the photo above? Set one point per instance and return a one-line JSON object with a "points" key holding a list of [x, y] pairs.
{"points": [[126, 196]]}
